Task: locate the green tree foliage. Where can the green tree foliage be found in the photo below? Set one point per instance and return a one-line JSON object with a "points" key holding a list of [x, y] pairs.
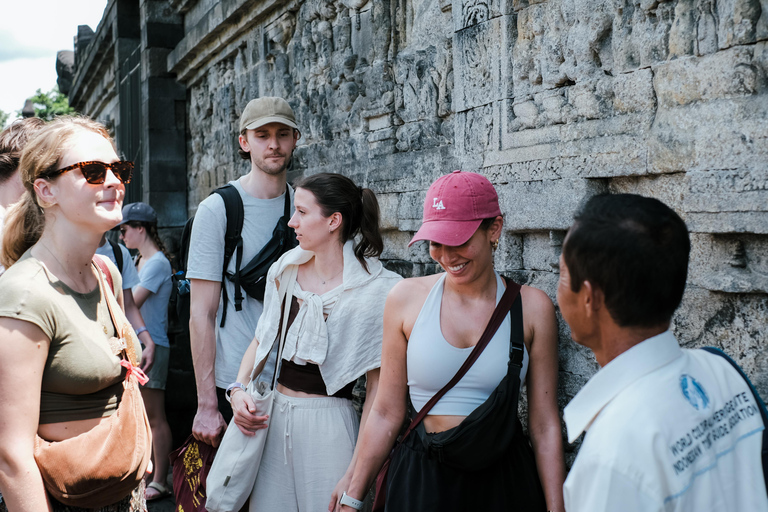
{"points": [[51, 104], [3, 118]]}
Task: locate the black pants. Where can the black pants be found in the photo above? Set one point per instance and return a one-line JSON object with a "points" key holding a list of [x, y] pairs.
{"points": [[417, 482]]}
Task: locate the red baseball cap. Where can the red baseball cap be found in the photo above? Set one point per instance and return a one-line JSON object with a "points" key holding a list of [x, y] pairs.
{"points": [[455, 206]]}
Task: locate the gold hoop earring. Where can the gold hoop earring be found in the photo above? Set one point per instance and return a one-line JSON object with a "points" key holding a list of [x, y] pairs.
{"points": [[495, 244]]}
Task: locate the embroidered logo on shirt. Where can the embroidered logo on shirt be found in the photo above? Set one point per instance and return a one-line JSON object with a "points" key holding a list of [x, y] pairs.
{"points": [[437, 205], [694, 392]]}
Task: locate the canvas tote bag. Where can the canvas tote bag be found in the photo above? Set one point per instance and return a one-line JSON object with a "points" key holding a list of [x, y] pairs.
{"points": [[237, 461]]}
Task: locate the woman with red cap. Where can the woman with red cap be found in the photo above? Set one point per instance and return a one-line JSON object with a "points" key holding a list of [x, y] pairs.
{"points": [[468, 451]]}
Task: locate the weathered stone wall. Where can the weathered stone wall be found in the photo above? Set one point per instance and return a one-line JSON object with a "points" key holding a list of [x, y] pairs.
{"points": [[553, 100]]}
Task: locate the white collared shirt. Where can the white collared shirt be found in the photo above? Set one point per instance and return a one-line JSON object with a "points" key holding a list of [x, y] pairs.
{"points": [[668, 429]]}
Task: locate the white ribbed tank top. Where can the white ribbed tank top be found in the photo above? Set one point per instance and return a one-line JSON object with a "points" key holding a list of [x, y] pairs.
{"points": [[432, 361]]}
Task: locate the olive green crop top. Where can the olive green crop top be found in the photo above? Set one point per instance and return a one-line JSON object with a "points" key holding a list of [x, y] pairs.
{"points": [[82, 378]]}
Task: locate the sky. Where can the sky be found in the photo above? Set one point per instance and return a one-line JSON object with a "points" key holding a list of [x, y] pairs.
{"points": [[31, 32]]}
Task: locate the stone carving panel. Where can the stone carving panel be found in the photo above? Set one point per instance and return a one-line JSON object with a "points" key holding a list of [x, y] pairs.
{"points": [[477, 64]]}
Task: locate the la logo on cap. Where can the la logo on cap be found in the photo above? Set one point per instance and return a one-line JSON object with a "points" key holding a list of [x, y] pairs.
{"points": [[437, 205]]}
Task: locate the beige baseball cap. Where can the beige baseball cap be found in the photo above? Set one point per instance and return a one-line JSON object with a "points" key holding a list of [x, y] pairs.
{"points": [[268, 109]]}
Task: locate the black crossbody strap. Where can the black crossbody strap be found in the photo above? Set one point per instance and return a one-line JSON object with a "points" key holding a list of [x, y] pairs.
{"points": [[502, 308], [118, 256], [760, 406], [287, 205], [233, 242]]}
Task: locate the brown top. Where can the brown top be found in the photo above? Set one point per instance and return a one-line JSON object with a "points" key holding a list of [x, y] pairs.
{"points": [[306, 378], [82, 378]]}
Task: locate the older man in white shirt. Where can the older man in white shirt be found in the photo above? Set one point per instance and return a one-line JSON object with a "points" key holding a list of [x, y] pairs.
{"points": [[668, 429]]}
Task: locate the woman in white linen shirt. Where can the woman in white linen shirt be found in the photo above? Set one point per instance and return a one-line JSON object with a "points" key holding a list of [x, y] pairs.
{"points": [[334, 336]]}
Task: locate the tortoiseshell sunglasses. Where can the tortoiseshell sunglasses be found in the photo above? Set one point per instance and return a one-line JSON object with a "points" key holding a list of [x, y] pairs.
{"points": [[95, 173]]}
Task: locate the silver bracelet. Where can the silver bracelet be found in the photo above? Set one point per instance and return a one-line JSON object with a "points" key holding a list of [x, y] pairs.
{"points": [[141, 329]]}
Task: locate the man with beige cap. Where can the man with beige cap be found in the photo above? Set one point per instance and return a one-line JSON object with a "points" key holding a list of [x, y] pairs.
{"points": [[268, 136]]}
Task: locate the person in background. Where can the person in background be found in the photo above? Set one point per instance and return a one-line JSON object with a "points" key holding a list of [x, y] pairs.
{"points": [[431, 325], [138, 230], [12, 141], [667, 429], [132, 312], [335, 321], [59, 374]]}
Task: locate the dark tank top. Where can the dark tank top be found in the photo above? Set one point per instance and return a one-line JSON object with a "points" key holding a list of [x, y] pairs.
{"points": [[306, 378]]}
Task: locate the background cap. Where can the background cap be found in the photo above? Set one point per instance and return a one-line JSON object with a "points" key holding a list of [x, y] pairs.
{"points": [[139, 212], [268, 109], [455, 206]]}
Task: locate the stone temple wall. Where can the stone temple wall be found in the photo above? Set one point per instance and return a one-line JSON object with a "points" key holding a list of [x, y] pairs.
{"points": [[554, 101]]}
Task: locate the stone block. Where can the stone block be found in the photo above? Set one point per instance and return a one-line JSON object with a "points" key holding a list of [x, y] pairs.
{"points": [[541, 251], [154, 62], [664, 187], [509, 256], [738, 22], [729, 263], [725, 74], [467, 13], [728, 201], [409, 210], [590, 158], [538, 205], [476, 65], [162, 35], [633, 92]]}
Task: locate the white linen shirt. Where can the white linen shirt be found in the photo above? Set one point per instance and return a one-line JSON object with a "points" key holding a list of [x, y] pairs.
{"points": [[350, 344], [669, 429]]}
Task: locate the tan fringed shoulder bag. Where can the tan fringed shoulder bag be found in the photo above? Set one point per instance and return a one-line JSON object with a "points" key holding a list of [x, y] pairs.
{"points": [[102, 466]]}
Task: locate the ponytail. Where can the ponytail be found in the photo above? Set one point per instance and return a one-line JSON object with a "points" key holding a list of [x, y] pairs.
{"points": [[151, 230], [24, 225], [358, 207], [370, 244]]}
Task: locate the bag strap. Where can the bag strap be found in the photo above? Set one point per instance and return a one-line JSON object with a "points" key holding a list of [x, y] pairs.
{"points": [[758, 401], [285, 294], [102, 265], [118, 256], [286, 297], [128, 350], [502, 308]]}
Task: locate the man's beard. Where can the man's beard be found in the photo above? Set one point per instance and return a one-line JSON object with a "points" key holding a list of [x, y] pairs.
{"points": [[271, 169]]}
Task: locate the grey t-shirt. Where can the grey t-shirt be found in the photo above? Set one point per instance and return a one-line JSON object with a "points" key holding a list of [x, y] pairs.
{"points": [[206, 257], [155, 276], [130, 276]]}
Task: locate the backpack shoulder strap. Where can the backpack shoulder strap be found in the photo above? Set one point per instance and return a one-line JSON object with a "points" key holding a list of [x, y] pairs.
{"points": [[233, 243], [118, 256], [758, 401]]}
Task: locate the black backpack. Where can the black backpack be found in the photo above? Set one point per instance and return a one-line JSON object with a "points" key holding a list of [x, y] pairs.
{"points": [[251, 278], [758, 403]]}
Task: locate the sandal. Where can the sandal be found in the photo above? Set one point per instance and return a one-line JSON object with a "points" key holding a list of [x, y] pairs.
{"points": [[162, 491]]}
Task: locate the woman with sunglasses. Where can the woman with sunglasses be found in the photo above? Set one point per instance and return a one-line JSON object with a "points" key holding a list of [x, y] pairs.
{"points": [[431, 325], [59, 375], [138, 230]]}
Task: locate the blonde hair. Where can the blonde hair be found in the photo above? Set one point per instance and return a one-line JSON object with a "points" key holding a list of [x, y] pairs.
{"points": [[40, 157]]}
